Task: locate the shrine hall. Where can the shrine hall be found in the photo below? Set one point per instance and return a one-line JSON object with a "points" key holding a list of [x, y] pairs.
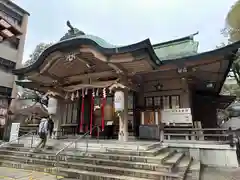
{"points": [[168, 84]]}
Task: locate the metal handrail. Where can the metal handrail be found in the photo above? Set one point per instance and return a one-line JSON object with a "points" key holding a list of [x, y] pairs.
{"points": [[71, 143], [75, 140], [219, 134], [196, 129], [17, 139]]}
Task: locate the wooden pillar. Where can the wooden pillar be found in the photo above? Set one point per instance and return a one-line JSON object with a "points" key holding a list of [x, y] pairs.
{"points": [[123, 119], [55, 111], [136, 115]]}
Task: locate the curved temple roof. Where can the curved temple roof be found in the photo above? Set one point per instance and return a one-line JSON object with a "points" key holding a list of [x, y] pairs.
{"points": [[75, 38], [156, 59], [96, 42]]}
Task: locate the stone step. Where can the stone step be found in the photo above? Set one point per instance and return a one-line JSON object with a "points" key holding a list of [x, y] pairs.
{"points": [[131, 145], [75, 161], [175, 158], [151, 152], [70, 174], [153, 145], [105, 156], [183, 166], [194, 170], [16, 145], [90, 169]]}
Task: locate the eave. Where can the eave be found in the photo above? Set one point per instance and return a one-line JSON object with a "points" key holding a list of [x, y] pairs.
{"points": [[228, 52], [179, 40], [77, 42]]}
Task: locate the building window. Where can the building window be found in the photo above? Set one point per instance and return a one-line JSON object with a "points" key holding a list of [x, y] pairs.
{"points": [[70, 113], [163, 102], [130, 102], [12, 43], [149, 101], [166, 102], [158, 101], [175, 104], [9, 15]]}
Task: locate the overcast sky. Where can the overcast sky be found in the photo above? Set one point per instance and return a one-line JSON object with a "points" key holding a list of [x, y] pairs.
{"points": [[124, 22]]}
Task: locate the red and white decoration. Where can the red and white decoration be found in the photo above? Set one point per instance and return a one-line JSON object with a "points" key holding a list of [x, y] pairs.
{"points": [[102, 107], [91, 111], [82, 112]]}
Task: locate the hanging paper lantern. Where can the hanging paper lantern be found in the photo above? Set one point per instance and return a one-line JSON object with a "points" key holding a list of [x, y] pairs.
{"points": [[52, 105], [119, 101]]}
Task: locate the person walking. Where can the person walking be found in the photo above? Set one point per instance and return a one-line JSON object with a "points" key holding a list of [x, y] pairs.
{"points": [[50, 126], [43, 132]]}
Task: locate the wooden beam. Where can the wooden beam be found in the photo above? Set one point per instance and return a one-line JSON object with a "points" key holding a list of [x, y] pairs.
{"points": [[118, 68], [89, 75], [54, 77], [95, 84], [113, 62], [175, 67], [52, 60]]}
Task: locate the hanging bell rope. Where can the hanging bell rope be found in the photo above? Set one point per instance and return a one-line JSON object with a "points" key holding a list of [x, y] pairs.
{"points": [[77, 94], [97, 93], [66, 97], [91, 111], [72, 96], [82, 112]]}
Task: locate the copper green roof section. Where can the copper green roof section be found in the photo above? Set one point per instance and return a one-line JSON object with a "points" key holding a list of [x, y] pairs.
{"points": [[101, 42], [178, 48], [75, 33]]}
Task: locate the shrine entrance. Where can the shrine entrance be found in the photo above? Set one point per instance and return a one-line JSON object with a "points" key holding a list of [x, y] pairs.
{"points": [[81, 74]]}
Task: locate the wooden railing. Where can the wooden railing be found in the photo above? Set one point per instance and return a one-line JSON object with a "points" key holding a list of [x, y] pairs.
{"points": [[197, 134]]}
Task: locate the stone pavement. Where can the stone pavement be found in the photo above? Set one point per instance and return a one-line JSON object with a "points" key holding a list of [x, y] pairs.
{"points": [[220, 174], [19, 174]]}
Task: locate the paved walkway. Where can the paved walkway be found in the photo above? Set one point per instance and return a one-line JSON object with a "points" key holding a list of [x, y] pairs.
{"points": [[19, 174], [220, 174]]}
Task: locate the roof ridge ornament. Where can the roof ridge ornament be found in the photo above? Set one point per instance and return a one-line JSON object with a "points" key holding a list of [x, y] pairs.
{"points": [[72, 32]]}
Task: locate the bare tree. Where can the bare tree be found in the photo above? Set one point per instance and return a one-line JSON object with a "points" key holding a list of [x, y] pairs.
{"points": [[36, 53], [232, 33], [31, 94]]}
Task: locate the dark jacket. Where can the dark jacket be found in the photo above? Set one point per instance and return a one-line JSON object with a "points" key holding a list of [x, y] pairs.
{"points": [[50, 125]]}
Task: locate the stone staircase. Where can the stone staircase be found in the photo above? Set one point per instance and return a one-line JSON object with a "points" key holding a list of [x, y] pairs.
{"points": [[160, 163]]}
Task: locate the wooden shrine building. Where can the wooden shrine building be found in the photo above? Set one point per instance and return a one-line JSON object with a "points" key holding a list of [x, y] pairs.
{"points": [[168, 83]]}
